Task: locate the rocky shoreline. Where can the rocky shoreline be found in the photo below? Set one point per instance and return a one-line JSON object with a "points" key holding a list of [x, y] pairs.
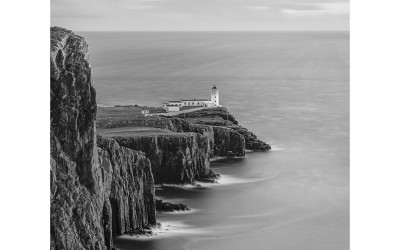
{"points": [[162, 206], [103, 184]]}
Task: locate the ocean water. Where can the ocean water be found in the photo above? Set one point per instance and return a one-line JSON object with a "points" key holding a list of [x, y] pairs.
{"points": [[291, 89]]}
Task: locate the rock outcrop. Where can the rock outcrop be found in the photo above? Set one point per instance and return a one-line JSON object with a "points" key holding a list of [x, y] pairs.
{"points": [[176, 158], [194, 121], [251, 140], [75, 212], [73, 101], [222, 118], [210, 114], [227, 142], [163, 206], [97, 192], [223, 141], [130, 190]]}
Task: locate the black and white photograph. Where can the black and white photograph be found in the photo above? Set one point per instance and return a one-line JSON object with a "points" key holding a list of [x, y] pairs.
{"points": [[197, 125]]}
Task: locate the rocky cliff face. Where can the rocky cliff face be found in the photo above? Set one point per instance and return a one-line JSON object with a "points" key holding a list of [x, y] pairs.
{"points": [[75, 213], [129, 188], [172, 124], [73, 101], [197, 121], [96, 192], [223, 141], [251, 140], [176, 158], [222, 118], [228, 142]]}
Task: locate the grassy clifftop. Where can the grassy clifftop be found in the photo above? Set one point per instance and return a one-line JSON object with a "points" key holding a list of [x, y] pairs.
{"points": [[119, 117]]}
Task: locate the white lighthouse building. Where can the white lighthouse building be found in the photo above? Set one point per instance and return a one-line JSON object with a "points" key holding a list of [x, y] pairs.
{"points": [[215, 96], [172, 106]]}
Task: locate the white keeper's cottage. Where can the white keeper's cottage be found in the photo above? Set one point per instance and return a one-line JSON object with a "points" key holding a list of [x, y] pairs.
{"points": [[173, 106], [145, 112]]}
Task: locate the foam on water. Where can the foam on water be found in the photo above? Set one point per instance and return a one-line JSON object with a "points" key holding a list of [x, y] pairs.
{"points": [[217, 158], [191, 211], [224, 180], [276, 148], [166, 229]]}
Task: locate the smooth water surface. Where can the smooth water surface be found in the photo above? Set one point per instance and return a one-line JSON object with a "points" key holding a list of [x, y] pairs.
{"points": [[291, 89]]}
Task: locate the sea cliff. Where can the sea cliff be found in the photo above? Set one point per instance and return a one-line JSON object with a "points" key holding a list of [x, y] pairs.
{"points": [[221, 117], [179, 147], [99, 189], [102, 183], [224, 132], [177, 158]]}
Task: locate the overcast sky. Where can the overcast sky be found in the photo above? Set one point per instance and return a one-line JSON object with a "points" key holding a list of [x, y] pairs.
{"points": [[169, 15]]}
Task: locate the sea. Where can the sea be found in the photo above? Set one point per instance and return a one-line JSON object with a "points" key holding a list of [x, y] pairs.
{"points": [[290, 88]]}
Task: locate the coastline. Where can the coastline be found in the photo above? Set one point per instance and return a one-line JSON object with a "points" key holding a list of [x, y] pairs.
{"points": [[302, 187], [115, 171]]}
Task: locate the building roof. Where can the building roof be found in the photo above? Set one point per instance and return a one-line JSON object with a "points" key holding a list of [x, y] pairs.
{"points": [[185, 100], [175, 101]]}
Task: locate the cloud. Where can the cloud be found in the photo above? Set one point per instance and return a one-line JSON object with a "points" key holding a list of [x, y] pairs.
{"points": [[317, 9], [200, 14], [80, 8]]}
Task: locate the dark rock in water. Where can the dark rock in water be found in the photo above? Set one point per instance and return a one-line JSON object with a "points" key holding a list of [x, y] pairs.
{"points": [[177, 158], [95, 192], [139, 231], [170, 207]]}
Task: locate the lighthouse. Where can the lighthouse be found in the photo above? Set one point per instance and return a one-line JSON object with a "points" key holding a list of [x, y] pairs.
{"points": [[174, 106], [215, 96]]}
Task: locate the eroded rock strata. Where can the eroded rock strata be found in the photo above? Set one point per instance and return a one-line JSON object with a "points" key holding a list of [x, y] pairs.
{"points": [[73, 101], [216, 133], [131, 191], [228, 142], [97, 192], [177, 158], [197, 121], [222, 118]]}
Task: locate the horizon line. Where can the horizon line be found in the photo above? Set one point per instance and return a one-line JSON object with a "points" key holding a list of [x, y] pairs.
{"points": [[341, 30]]}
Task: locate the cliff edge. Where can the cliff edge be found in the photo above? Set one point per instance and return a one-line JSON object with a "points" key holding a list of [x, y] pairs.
{"points": [[98, 188], [221, 117]]}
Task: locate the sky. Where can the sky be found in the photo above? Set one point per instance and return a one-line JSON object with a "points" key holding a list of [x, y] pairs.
{"points": [[200, 15]]}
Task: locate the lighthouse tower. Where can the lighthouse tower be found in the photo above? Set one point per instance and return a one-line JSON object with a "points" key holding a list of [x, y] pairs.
{"points": [[215, 96]]}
